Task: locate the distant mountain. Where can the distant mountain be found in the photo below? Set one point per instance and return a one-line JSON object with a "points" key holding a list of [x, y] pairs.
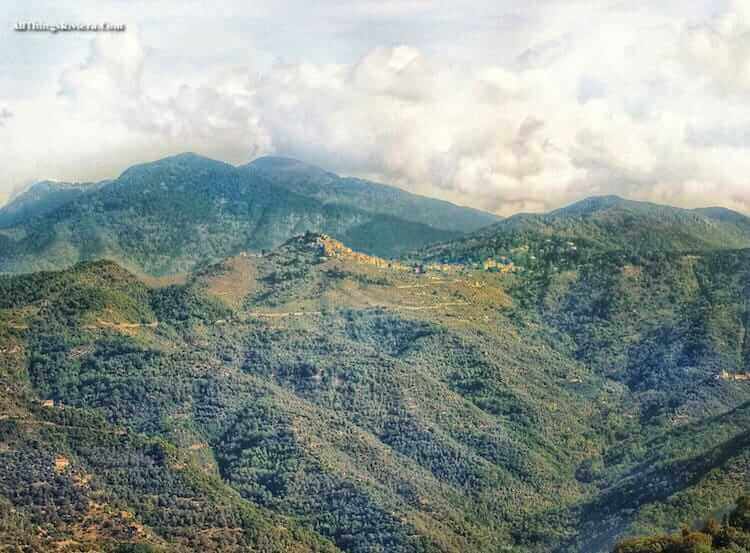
{"points": [[170, 215], [39, 199], [329, 188], [605, 223]]}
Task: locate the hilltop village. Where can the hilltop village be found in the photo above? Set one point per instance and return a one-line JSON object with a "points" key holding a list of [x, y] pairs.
{"points": [[331, 248]]}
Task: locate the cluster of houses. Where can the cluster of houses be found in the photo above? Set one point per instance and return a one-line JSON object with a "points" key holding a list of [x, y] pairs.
{"points": [[504, 264], [331, 247], [501, 265], [10, 350], [725, 375]]}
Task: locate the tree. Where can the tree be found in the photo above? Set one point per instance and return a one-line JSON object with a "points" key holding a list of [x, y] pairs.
{"points": [[740, 517]]}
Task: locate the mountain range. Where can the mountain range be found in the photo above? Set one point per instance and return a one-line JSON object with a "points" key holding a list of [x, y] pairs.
{"points": [[606, 223], [542, 383], [168, 216]]}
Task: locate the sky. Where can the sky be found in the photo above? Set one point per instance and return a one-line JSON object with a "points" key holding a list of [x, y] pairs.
{"points": [[501, 105]]}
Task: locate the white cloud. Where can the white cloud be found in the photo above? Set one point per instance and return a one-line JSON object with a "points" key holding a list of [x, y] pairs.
{"points": [[720, 49]]}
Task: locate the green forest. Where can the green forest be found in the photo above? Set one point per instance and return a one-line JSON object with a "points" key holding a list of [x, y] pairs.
{"points": [[580, 390], [730, 535]]}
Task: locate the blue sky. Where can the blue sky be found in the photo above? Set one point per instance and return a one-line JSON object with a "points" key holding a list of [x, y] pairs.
{"points": [[505, 106]]}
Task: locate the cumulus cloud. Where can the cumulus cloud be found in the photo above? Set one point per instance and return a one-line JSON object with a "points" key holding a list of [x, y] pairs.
{"points": [[639, 103], [112, 70], [720, 49]]}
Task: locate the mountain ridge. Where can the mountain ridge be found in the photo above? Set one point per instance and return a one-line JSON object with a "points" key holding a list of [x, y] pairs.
{"points": [[168, 215], [39, 198], [602, 224], [311, 180]]}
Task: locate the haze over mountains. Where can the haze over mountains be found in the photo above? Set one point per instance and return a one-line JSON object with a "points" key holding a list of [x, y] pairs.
{"points": [[38, 199], [542, 383]]}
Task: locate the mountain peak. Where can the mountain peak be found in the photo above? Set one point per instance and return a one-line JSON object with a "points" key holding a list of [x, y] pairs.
{"points": [[594, 204], [311, 181], [288, 166], [183, 161], [606, 223], [41, 187], [39, 198]]}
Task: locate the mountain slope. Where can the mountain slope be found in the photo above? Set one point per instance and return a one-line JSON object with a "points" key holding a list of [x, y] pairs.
{"points": [[329, 188], [71, 480], [385, 410], [600, 224], [170, 215], [362, 451], [732, 535], [38, 199]]}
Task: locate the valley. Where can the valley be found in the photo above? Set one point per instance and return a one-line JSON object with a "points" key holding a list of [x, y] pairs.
{"points": [[388, 405]]}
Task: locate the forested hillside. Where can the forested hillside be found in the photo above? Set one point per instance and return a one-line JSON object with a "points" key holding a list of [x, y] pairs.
{"points": [[172, 215], [730, 535], [554, 406], [600, 224], [38, 199], [311, 181]]}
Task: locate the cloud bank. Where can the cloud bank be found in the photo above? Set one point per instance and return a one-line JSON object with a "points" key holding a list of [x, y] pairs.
{"points": [[581, 100]]}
